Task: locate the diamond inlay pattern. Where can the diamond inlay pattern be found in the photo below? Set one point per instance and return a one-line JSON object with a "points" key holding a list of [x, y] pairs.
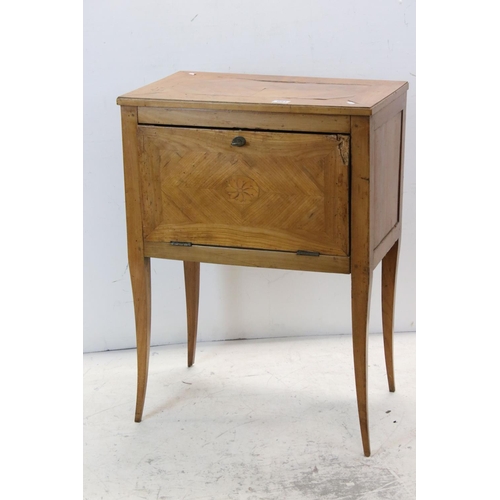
{"points": [[200, 189]]}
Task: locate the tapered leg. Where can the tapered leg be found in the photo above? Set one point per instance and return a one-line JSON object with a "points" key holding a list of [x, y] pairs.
{"points": [[140, 273], [389, 271], [360, 295], [192, 283]]}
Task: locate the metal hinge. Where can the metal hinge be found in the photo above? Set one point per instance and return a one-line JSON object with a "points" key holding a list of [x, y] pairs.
{"points": [[181, 243], [308, 254]]}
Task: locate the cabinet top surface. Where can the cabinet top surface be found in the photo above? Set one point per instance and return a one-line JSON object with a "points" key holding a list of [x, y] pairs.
{"points": [[192, 89]]}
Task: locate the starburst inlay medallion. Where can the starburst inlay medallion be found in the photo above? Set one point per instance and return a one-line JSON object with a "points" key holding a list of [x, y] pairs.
{"points": [[242, 189]]}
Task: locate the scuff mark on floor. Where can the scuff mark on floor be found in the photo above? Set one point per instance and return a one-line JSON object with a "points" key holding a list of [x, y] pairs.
{"points": [[339, 481]]}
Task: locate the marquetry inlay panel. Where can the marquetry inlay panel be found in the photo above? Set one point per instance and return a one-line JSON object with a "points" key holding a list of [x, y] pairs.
{"points": [[280, 191]]}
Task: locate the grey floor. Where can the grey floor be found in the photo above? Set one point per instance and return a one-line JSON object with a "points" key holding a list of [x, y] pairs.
{"points": [[253, 419]]}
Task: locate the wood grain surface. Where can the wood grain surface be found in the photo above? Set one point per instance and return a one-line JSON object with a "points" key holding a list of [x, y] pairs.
{"points": [[281, 191], [192, 285], [251, 258], [335, 124], [139, 264], [227, 91]]}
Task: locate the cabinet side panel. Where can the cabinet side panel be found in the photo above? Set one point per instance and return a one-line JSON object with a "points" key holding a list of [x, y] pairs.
{"points": [[386, 179]]}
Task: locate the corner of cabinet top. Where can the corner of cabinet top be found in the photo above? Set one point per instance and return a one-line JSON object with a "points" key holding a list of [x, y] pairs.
{"points": [[202, 90]]}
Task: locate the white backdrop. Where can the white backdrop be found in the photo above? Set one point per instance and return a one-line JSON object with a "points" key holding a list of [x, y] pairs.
{"points": [[129, 43]]}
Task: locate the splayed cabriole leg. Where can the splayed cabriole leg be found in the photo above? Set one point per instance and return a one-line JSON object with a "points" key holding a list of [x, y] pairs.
{"points": [[361, 289], [389, 268], [192, 283], [140, 272]]}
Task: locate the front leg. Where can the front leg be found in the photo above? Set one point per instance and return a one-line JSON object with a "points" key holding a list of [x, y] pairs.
{"points": [[360, 296], [140, 273]]}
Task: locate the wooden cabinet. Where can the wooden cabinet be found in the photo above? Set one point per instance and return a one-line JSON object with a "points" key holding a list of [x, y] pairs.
{"points": [[281, 172]]}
